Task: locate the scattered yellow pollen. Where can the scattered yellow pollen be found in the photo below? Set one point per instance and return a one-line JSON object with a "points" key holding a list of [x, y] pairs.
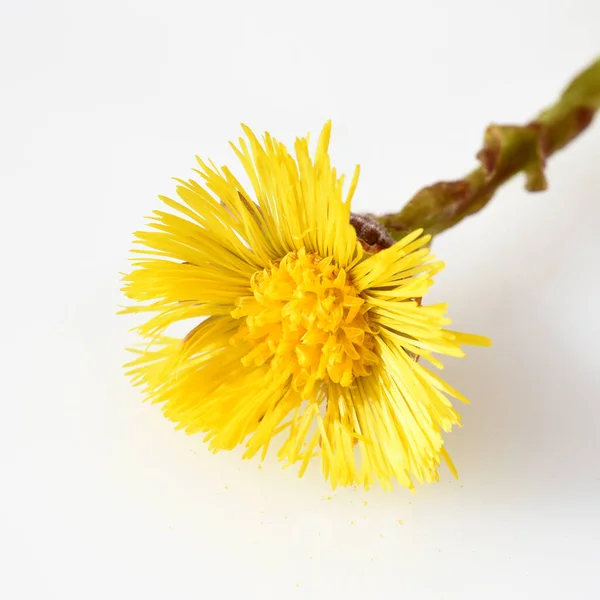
{"points": [[365, 503], [400, 522]]}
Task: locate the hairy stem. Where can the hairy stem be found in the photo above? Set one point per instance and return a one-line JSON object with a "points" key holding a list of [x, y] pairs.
{"points": [[507, 150]]}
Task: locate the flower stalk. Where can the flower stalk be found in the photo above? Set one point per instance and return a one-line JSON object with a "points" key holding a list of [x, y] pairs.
{"points": [[507, 150]]}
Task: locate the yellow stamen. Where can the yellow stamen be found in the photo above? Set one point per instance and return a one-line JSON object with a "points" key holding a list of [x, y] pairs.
{"points": [[307, 320]]}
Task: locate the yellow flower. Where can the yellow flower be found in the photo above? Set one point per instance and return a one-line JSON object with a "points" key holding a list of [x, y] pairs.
{"points": [[307, 335]]}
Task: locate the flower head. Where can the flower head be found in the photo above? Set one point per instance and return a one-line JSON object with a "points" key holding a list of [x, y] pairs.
{"points": [[304, 334]]}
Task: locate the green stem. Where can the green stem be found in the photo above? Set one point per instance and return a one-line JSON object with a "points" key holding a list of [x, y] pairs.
{"points": [[507, 150]]}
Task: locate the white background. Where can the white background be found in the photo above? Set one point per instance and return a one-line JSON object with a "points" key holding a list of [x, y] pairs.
{"points": [[101, 103]]}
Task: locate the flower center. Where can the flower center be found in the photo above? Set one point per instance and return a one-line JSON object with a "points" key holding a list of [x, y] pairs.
{"points": [[308, 320]]}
